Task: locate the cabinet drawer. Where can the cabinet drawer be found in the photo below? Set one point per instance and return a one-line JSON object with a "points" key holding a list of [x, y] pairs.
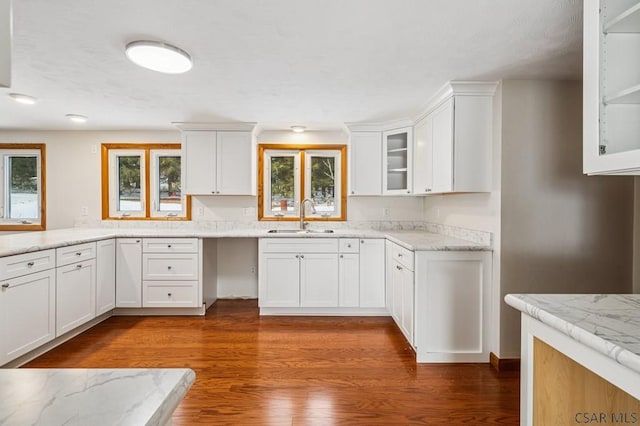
{"points": [[349, 245], [75, 253], [22, 264], [159, 294], [298, 245], [170, 266], [401, 255], [170, 245]]}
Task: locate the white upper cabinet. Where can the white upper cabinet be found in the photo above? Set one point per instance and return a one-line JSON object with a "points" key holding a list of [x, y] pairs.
{"points": [[218, 162], [397, 161], [611, 93], [365, 160], [5, 43], [453, 140]]}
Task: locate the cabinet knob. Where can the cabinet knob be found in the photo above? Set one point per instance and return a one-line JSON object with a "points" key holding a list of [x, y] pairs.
{"points": [[5, 285], [361, 241], [399, 254], [348, 245], [399, 267], [302, 256], [30, 264], [137, 241], [353, 192], [408, 191], [78, 253], [169, 294], [168, 245], [342, 256], [79, 266], [169, 267], [297, 256]]}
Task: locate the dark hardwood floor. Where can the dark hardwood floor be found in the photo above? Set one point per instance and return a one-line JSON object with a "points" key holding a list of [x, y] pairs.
{"points": [[253, 370]]}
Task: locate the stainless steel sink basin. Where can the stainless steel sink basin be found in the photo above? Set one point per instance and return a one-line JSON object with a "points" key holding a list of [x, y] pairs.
{"points": [[300, 231]]}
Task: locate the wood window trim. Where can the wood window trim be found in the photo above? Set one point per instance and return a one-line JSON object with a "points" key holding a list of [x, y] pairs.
{"points": [[43, 187], [303, 148], [147, 147]]}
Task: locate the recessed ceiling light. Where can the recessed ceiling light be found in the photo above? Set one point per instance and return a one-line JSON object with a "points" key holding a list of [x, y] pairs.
{"points": [[77, 118], [298, 129], [23, 99], [158, 56]]}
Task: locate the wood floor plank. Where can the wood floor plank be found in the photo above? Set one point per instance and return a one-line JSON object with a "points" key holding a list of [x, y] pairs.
{"points": [[253, 370]]}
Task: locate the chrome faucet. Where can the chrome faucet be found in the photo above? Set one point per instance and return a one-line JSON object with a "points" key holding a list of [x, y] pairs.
{"points": [[313, 210]]}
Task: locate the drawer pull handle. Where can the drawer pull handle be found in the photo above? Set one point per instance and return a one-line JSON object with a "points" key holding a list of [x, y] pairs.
{"points": [[168, 245], [342, 256], [348, 245], [302, 256], [399, 267], [361, 241], [30, 264], [5, 285], [79, 266], [399, 254], [169, 294], [137, 241], [78, 253], [169, 267]]}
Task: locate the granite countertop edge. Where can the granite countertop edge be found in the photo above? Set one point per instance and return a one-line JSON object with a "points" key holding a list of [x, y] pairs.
{"points": [[598, 343]]}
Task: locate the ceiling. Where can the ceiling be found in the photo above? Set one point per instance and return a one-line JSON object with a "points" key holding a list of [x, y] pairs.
{"points": [[318, 63]]}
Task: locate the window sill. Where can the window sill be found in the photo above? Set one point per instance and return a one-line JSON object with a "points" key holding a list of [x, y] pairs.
{"points": [[22, 227]]}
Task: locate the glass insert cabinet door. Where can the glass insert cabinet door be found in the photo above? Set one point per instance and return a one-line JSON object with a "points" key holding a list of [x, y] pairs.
{"points": [[611, 86]]}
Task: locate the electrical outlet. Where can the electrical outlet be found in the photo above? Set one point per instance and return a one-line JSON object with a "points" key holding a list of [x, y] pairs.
{"points": [[200, 211], [386, 212], [94, 149], [85, 211], [252, 269]]}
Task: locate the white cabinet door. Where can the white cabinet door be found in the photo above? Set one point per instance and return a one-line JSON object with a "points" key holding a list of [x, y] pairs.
{"points": [[279, 280], [407, 315], [365, 171], [234, 164], [349, 282], [372, 273], [129, 273], [75, 295], [442, 162], [27, 313], [397, 161], [396, 292], [453, 306], [199, 159], [105, 276], [318, 280], [423, 156]]}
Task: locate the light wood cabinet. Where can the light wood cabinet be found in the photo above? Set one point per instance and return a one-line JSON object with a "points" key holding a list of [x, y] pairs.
{"points": [[365, 161], [397, 161], [218, 163], [611, 79], [452, 303], [105, 276], [129, 273], [27, 312], [453, 142]]}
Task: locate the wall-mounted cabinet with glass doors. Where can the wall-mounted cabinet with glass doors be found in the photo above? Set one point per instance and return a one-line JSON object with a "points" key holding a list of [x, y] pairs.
{"points": [[611, 97], [397, 161]]}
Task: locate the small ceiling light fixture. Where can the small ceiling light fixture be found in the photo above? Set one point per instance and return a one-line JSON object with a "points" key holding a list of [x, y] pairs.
{"points": [[158, 56], [23, 99], [298, 129], [77, 118]]}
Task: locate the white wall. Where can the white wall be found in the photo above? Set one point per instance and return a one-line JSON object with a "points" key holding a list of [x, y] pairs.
{"points": [[562, 232]]}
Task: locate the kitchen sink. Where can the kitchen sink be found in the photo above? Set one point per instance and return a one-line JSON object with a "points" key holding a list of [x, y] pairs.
{"points": [[300, 231]]}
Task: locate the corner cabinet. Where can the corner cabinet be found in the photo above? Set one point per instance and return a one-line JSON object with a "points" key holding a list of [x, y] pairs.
{"points": [[453, 141], [219, 162], [397, 161], [611, 91]]}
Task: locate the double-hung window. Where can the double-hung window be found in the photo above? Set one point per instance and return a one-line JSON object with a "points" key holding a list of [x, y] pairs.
{"points": [[292, 173], [143, 181], [23, 187]]}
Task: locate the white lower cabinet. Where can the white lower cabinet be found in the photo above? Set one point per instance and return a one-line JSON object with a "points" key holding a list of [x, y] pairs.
{"points": [[318, 280], [75, 295], [105, 276], [372, 273], [129, 273], [400, 296], [27, 312], [349, 280], [279, 280], [453, 305]]}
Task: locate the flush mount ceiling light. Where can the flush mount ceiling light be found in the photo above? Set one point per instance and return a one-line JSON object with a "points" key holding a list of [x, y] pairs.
{"points": [[298, 129], [158, 56], [23, 99], [77, 118]]}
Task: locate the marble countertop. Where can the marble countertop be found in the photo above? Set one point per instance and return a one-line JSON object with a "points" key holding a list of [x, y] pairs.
{"points": [[91, 396], [26, 242], [607, 323]]}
